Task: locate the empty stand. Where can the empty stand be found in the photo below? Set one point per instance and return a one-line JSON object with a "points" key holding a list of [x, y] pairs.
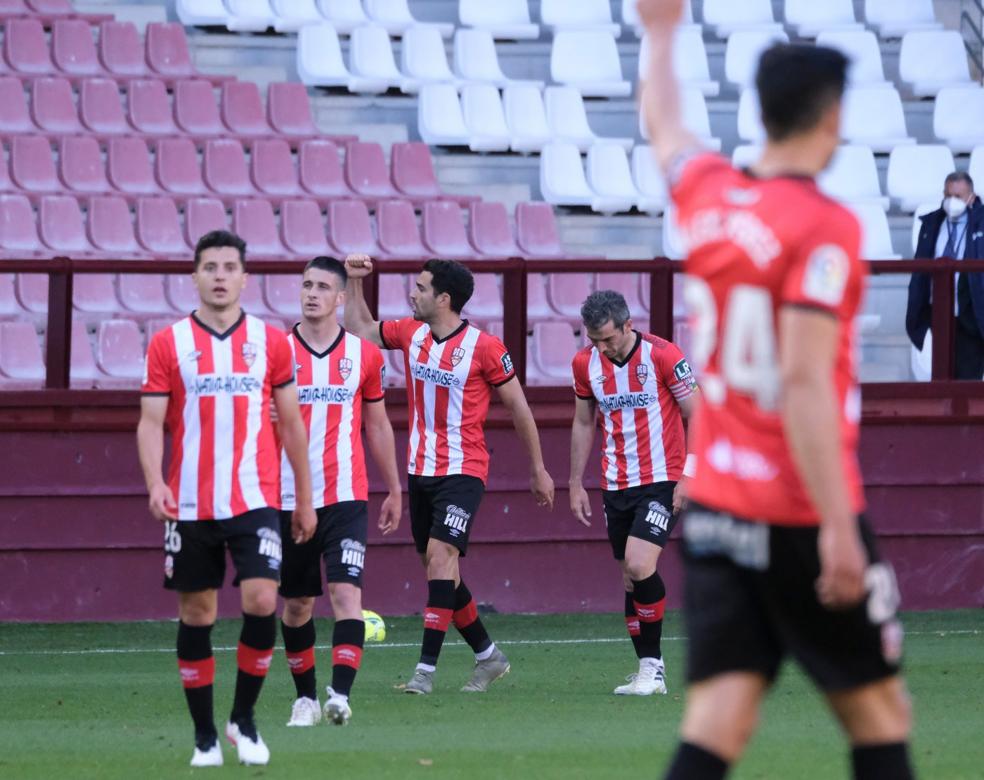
{"points": [[303, 228], [475, 57], [916, 174], [159, 227], [649, 180], [423, 58], [853, 176], [349, 228], [874, 116], [371, 61], [178, 170], [582, 15], [292, 15], [73, 49], [503, 19], [444, 230], [53, 106], [31, 165], [319, 58], [224, 168], [610, 178], [121, 50], [568, 120], [15, 117], [485, 119], [18, 227], [536, 230], [958, 117], [809, 17], [62, 226], [526, 118], [412, 172], [562, 179], [195, 110], [728, 16], [272, 168], [894, 18], [396, 18], [742, 53], [599, 75], [876, 241], [552, 346], [249, 15], [81, 163], [321, 170], [930, 60], [366, 172], [489, 230], [25, 47], [255, 222], [344, 15], [203, 215], [440, 120], [399, 235], [119, 353], [289, 110], [100, 108], [861, 47], [21, 361], [129, 168], [149, 108]]}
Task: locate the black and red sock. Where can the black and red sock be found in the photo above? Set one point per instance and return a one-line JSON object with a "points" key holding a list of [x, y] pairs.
{"points": [[649, 599], [197, 666], [346, 654], [872, 762], [468, 623], [299, 644], [693, 762], [437, 618], [253, 657], [633, 626]]}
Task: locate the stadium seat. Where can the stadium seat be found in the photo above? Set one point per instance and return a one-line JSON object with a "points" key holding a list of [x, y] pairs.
{"points": [[143, 293], [349, 228], [282, 294], [536, 230], [344, 15], [14, 118], [809, 17], [303, 228], [82, 371], [674, 246], [932, 59], [628, 285], [321, 170], [486, 301], [182, 293], [255, 222], [291, 15], [32, 291], [693, 109], [18, 227], [203, 215], [728, 16], [568, 119], [119, 354], [742, 53], [749, 117], [566, 293], [489, 230], [62, 227], [874, 116], [396, 225], [149, 108], [21, 361], [537, 307], [395, 17], [121, 50], [597, 76], [958, 117], [552, 347], [128, 167], [852, 176], [440, 120], [195, 111], [31, 165], [894, 18], [503, 19], [272, 168], [423, 58], [393, 299], [412, 172], [485, 120], [81, 163], [202, 13], [249, 15], [51, 9], [526, 118], [100, 108], [876, 241], [159, 228], [25, 47], [289, 109], [444, 230], [864, 53], [53, 106], [224, 168], [319, 57], [9, 305], [242, 110], [95, 294], [475, 58], [178, 170], [916, 173], [610, 178], [689, 60], [649, 181], [582, 15], [366, 172], [73, 49], [562, 179], [166, 50], [630, 16], [371, 61]]}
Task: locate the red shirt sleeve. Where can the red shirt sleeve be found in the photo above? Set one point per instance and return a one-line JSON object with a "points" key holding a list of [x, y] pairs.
{"points": [[280, 358], [675, 371], [496, 362], [582, 382], [157, 364], [373, 374], [396, 334]]}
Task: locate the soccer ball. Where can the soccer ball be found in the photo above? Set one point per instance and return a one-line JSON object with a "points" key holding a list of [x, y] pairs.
{"points": [[375, 627]]}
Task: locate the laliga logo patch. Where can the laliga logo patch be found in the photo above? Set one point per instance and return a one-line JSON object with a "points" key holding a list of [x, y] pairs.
{"points": [[827, 272], [642, 373], [249, 353], [345, 367], [457, 355]]}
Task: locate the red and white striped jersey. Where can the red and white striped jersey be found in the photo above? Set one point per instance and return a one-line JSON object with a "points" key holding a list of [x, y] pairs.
{"points": [[449, 384], [224, 458], [331, 387], [638, 410]]}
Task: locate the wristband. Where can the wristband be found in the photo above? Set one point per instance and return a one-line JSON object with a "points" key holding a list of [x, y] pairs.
{"points": [[690, 466]]}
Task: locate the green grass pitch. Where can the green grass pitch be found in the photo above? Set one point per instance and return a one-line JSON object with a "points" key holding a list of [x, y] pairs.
{"points": [[104, 701]]}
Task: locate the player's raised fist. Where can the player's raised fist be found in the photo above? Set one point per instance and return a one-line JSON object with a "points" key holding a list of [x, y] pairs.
{"points": [[660, 13], [358, 266]]}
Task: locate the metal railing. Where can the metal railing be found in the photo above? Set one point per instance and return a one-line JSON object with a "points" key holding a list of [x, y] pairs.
{"points": [[971, 25]]}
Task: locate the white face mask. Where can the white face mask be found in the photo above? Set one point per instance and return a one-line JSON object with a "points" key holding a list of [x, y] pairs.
{"points": [[954, 207]]}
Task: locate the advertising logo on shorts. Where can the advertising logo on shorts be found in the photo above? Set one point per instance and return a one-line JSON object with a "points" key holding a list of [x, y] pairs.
{"points": [[270, 546], [249, 353], [456, 520], [345, 368], [658, 518], [353, 556]]}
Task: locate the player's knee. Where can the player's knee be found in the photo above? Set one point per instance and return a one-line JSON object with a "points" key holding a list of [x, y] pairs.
{"points": [[346, 600], [441, 560], [260, 601], [196, 609], [637, 569], [298, 611]]}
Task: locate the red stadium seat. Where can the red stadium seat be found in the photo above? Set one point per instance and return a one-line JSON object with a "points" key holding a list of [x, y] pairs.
{"points": [[566, 293], [100, 108], [25, 47], [537, 306], [119, 353], [53, 106], [412, 170], [399, 235], [111, 227], [273, 168], [393, 298], [15, 117], [32, 292], [225, 170], [289, 109], [283, 294], [444, 230], [303, 228], [121, 51], [628, 286], [95, 293], [129, 168], [203, 215], [32, 167], [82, 371], [52, 8], [195, 110], [536, 230], [9, 305], [490, 232], [253, 220], [18, 228], [143, 293], [10, 8], [62, 227], [178, 170], [72, 48], [155, 325], [486, 301], [149, 107], [21, 361], [182, 293], [242, 110], [159, 228], [551, 349], [321, 170], [349, 229], [166, 48], [81, 163], [366, 171]]}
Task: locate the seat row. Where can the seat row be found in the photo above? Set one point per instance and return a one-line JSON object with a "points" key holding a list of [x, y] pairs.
{"points": [[47, 11]]}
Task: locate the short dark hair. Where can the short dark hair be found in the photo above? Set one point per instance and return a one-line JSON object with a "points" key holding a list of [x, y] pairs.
{"points": [[217, 239], [796, 83], [602, 306], [331, 265], [959, 176], [452, 278]]}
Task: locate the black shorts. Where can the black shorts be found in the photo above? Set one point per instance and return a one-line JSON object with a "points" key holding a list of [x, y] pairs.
{"points": [[340, 539], [443, 508], [645, 512], [750, 600], [194, 550]]}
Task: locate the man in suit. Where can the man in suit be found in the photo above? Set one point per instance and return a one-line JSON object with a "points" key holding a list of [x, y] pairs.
{"points": [[956, 230]]}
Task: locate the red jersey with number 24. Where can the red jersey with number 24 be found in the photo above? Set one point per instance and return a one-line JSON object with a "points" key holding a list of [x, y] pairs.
{"points": [[754, 247]]}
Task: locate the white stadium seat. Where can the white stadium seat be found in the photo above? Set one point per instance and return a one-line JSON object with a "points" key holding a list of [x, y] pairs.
{"points": [[689, 60], [874, 116], [292, 15], [249, 15], [749, 117], [201, 13], [599, 75], [693, 112], [630, 16], [674, 246], [810, 17], [727, 16], [746, 155], [916, 173], [922, 210], [371, 61], [423, 58], [395, 16], [894, 18], [976, 167], [526, 117], [504, 19], [485, 120], [344, 15], [568, 119], [852, 177], [876, 239], [610, 178], [649, 180], [861, 48], [742, 53], [319, 57], [475, 58], [439, 118], [958, 117], [921, 361], [562, 180], [932, 59], [581, 15]]}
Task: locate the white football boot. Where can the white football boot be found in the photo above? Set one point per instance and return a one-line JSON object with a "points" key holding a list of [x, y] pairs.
{"points": [[337, 708], [252, 752], [210, 757], [650, 679], [305, 712]]}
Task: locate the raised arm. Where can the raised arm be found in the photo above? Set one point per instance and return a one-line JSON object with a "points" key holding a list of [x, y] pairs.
{"points": [[358, 318], [382, 445], [582, 438], [660, 97], [294, 438], [541, 484], [150, 446]]}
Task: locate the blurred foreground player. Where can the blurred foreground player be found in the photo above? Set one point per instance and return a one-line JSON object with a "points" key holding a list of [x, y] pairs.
{"points": [[636, 385], [339, 377], [779, 560], [451, 368], [210, 379]]}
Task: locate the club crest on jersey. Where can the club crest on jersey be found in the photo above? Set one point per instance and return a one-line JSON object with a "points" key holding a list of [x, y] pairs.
{"points": [[457, 355], [642, 373], [345, 367], [249, 353]]}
